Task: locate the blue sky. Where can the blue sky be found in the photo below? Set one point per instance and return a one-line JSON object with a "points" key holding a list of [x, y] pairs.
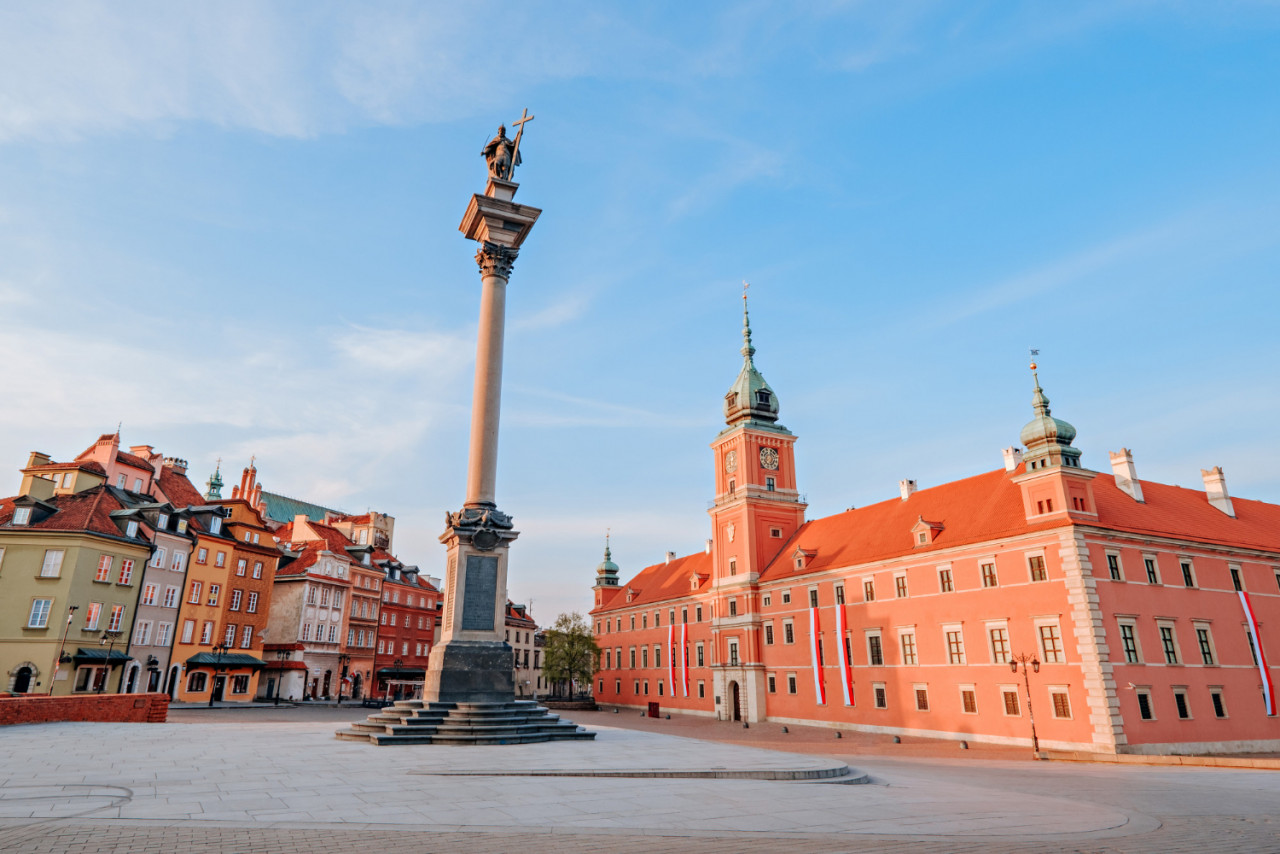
{"points": [[234, 229]]}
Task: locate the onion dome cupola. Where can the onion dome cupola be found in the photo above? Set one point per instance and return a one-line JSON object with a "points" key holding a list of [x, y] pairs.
{"points": [[215, 483], [1047, 439], [607, 571], [750, 399]]}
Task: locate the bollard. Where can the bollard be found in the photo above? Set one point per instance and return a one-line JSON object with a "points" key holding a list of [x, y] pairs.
{"points": [[964, 745], [746, 725], [668, 717], [839, 734], [615, 711], [784, 729], [897, 740]]}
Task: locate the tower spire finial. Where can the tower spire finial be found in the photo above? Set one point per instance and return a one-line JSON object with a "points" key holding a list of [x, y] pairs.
{"points": [[1039, 401], [607, 533], [748, 351]]}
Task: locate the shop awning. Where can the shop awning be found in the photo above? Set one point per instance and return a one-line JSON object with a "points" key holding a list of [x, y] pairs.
{"points": [[96, 655], [402, 673], [227, 661]]}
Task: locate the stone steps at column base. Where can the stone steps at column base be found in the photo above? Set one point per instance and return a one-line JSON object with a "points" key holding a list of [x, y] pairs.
{"points": [[415, 722]]}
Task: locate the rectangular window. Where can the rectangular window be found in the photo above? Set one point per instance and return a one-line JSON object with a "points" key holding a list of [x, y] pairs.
{"points": [[171, 596], [768, 634], [773, 684], [1188, 578], [126, 571], [733, 654], [733, 607], [117, 618], [1235, 578], [235, 600], [242, 567], [699, 650], [788, 632], [922, 699], [1180, 701], [202, 556], [955, 647], [882, 697], [702, 690], [657, 656], [1144, 706], [1219, 708], [1113, 566], [684, 613], [945, 584], [907, 640], [1010, 696], [733, 566], [92, 614], [875, 652], [1153, 575], [188, 630], [791, 683], [633, 658], [999, 645], [1169, 644], [240, 684], [1129, 639], [196, 588], [39, 616], [229, 635], [164, 632], [1206, 644], [21, 515], [257, 570], [786, 597], [253, 603], [104, 568], [206, 633], [246, 637], [869, 590], [220, 559], [969, 701], [1050, 644], [644, 656], [813, 598], [1036, 568], [900, 586], [839, 590], [214, 590], [157, 559], [149, 593], [989, 575], [1061, 703], [52, 565]]}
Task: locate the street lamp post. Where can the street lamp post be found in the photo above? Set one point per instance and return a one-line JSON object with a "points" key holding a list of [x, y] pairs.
{"points": [[1034, 663], [343, 660], [109, 641], [395, 669], [218, 650], [57, 661]]}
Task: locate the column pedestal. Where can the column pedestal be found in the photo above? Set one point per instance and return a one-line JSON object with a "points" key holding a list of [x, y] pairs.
{"points": [[472, 662]]}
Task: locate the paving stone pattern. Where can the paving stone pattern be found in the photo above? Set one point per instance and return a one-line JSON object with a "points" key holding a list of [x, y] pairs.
{"points": [[284, 787]]}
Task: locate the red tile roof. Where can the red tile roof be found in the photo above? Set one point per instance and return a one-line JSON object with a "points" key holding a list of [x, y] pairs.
{"points": [[664, 581], [136, 462], [177, 489], [89, 466], [80, 511], [977, 509]]}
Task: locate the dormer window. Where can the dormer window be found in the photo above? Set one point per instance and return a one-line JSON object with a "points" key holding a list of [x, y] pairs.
{"points": [[22, 515], [131, 530], [163, 521], [365, 559], [763, 397], [215, 525], [182, 526], [922, 538]]}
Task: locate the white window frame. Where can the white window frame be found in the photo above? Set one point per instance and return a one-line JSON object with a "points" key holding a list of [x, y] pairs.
{"points": [[51, 566], [972, 689], [992, 654], [38, 615], [1046, 623]]}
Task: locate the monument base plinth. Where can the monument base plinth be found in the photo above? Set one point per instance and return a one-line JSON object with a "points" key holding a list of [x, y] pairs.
{"points": [[461, 671]]}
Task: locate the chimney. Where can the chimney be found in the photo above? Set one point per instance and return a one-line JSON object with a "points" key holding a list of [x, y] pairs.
{"points": [[671, 556], [1126, 475], [708, 547], [434, 581], [38, 459], [1012, 457], [906, 487], [1215, 488], [144, 451], [178, 465]]}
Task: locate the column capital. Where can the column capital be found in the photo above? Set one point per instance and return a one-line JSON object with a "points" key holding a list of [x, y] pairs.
{"points": [[495, 259]]}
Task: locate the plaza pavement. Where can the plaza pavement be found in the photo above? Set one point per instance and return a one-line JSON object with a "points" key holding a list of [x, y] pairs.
{"points": [[240, 781]]}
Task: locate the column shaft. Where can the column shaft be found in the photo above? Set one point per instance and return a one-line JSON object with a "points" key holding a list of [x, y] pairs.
{"points": [[482, 466]]}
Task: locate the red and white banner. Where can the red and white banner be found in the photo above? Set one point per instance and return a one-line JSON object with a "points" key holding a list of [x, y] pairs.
{"points": [[1268, 688], [846, 670], [671, 658], [819, 686], [684, 657]]}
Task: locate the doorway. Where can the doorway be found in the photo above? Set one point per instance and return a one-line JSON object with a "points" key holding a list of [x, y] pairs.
{"points": [[328, 674], [355, 688], [737, 701], [219, 683], [22, 680], [132, 683], [153, 681], [172, 690]]}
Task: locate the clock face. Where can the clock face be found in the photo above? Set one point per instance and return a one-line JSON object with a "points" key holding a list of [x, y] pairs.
{"points": [[769, 458], [731, 462]]}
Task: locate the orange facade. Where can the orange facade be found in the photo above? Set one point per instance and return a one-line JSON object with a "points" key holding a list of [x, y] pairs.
{"points": [[907, 616]]}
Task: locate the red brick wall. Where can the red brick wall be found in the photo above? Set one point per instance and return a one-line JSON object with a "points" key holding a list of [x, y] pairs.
{"points": [[121, 708]]}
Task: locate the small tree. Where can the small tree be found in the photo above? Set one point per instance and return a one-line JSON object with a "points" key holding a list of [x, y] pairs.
{"points": [[570, 653]]}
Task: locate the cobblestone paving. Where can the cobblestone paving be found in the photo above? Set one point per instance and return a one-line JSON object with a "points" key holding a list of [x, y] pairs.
{"points": [[290, 787]]}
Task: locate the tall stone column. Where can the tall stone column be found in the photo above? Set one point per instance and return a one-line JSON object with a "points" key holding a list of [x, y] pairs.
{"points": [[471, 662]]}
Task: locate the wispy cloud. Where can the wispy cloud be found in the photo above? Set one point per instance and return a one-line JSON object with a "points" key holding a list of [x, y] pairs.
{"points": [[564, 310], [404, 351]]}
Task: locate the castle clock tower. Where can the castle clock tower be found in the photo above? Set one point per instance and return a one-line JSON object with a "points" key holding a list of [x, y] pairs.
{"points": [[756, 510]]}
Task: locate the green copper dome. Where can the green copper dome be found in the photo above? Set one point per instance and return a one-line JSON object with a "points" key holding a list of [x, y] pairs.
{"points": [[1047, 439], [607, 571], [750, 399]]}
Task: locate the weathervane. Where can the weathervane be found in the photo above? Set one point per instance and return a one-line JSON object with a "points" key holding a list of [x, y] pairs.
{"points": [[1034, 353]]}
